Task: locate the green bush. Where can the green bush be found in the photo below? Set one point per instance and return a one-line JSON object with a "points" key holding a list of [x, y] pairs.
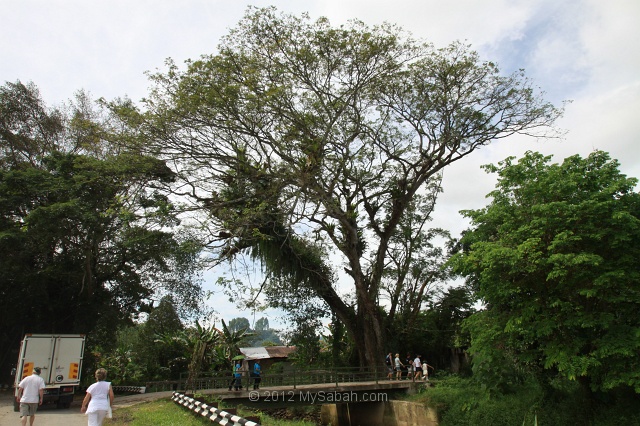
{"points": [[461, 402]]}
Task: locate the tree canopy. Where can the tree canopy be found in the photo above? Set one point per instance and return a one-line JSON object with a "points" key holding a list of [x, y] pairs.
{"points": [[306, 145], [554, 257], [86, 230]]}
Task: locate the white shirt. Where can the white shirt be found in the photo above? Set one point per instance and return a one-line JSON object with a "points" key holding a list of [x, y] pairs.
{"points": [[99, 396], [31, 386], [417, 363]]}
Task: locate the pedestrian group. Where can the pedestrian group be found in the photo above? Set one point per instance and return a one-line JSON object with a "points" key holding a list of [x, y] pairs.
{"points": [[416, 368]]}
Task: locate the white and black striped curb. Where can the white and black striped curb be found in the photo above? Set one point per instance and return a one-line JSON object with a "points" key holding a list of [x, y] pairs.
{"points": [[212, 413], [133, 389]]}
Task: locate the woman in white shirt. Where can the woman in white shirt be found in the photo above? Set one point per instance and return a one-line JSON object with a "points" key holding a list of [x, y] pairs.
{"points": [[99, 399]]}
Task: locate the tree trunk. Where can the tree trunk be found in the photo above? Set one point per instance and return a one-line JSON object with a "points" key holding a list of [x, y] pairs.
{"points": [[371, 354], [364, 328], [586, 397]]}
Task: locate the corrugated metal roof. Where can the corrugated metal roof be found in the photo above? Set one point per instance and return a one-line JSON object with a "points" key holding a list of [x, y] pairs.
{"points": [[255, 353], [280, 351], [267, 352]]}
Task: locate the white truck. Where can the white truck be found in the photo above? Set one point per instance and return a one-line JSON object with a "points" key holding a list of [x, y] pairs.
{"points": [[60, 360]]}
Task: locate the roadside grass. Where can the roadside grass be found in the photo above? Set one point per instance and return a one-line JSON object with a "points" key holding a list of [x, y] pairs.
{"points": [[165, 412], [162, 412], [461, 402]]}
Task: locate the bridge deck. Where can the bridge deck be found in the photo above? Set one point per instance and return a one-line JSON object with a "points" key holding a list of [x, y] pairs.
{"points": [[314, 393]]}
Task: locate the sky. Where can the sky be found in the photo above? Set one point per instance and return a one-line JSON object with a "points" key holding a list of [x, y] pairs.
{"points": [[583, 51]]}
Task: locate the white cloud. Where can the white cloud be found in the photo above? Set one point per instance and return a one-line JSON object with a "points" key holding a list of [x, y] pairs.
{"points": [[437, 21]]}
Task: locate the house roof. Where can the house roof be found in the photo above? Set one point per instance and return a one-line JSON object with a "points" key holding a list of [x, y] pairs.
{"points": [[267, 352]]}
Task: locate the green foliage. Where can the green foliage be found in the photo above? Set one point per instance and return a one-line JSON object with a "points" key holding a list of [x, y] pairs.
{"points": [[262, 324], [336, 348], [160, 361], [29, 130], [306, 339], [87, 227], [461, 402], [237, 324], [436, 332], [494, 364], [260, 335], [554, 257], [202, 339], [232, 338], [263, 335], [139, 355], [76, 221]]}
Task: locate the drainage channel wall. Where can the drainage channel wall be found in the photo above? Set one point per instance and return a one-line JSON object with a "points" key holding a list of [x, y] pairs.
{"points": [[390, 413], [214, 414]]}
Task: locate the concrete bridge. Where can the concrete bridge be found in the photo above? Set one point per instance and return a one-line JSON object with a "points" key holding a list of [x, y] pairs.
{"points": [[362, 403], [293, 385], [347, 395], [316, 393]]}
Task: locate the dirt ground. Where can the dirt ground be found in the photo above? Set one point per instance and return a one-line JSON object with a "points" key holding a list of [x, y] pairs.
{"points": [[49, 415]]}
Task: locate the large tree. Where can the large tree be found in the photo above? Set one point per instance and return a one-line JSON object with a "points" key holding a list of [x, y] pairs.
{"points": [[87, 239], [306, 144], [554, 257]]}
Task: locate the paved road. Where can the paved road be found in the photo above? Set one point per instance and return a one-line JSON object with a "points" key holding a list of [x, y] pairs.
{"points": [[49, 415]]}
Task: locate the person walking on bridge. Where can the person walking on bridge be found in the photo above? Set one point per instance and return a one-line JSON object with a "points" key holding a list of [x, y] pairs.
{"points": [[425, 370], [237, 375], [388, 361], [399, 366], [417, 365], [257, 371], [409, 363]]}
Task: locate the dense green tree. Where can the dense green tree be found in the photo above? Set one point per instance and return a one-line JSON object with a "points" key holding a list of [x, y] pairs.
{"points": [[122, 360], [88, 240], [262, 324], [29, 130], [232, 339], [554, 258], [443, 339], [159, 360], [78, 240], [237, 324], [263, 335], [203, 339], [415, 271], [163, 319], [306, 338], [306, 144]]}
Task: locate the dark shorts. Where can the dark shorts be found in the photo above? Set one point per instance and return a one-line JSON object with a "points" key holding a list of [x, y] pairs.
{"points": [[28, 408]]}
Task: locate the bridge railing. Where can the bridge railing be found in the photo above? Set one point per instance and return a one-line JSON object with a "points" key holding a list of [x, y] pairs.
{"points": [[334, 375], [290, 377]]}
